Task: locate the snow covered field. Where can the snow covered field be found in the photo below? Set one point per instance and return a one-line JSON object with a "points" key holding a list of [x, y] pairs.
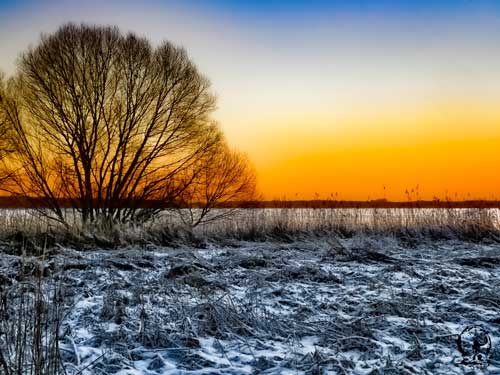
{"points": [[363, 305]]}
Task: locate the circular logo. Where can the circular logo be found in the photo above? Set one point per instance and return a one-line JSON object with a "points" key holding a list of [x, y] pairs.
{"points": [[474, 344]]}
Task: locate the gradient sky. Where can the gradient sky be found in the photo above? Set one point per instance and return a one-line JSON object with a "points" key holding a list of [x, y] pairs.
{"points": [[328, 97]]}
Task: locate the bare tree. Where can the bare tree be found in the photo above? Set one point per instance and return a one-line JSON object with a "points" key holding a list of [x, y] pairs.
{"points": [[220, 183], [5, 147], [106, 123]]}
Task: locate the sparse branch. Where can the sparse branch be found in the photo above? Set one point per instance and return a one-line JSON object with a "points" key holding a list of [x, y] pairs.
{"points": [[223, 179], [108, 123]]}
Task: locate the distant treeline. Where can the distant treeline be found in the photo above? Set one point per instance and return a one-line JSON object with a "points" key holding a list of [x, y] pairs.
{"points": [[378, 203], [25, 202]]}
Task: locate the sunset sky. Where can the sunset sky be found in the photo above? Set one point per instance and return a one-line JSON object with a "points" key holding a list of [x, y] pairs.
{"points": [[328, 97]]}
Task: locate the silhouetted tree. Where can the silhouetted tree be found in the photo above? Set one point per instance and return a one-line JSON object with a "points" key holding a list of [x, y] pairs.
{"points": [[5, 147], [218, 180], [107, 122]]}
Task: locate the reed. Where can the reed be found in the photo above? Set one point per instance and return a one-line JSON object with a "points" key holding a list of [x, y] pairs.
{"points": [[28, 231]]}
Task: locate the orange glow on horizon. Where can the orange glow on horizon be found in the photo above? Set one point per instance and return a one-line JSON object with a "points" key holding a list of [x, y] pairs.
{"points": [[448, 151], [344, 100]]}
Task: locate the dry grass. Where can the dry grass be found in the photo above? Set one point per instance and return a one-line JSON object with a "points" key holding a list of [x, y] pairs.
{"points": [[28, 231], [172, 305], [261, 224], [31, 312]]}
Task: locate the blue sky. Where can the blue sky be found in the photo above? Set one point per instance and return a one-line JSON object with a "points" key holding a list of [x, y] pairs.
{"points": [[266, 7]]}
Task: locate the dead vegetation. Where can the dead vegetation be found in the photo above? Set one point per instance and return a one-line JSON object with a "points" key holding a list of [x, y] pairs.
{"points": [[31, 313], [348, 306], [25, 231]]}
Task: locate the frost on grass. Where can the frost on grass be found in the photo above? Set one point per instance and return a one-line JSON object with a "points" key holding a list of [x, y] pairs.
{"points": [[356, 306]]}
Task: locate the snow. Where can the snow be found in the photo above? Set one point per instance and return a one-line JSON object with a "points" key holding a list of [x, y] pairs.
{"points": [[311, 306]]}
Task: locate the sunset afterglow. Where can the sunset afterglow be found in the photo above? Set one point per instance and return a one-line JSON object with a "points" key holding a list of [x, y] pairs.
{"points": [[351, 100]]}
